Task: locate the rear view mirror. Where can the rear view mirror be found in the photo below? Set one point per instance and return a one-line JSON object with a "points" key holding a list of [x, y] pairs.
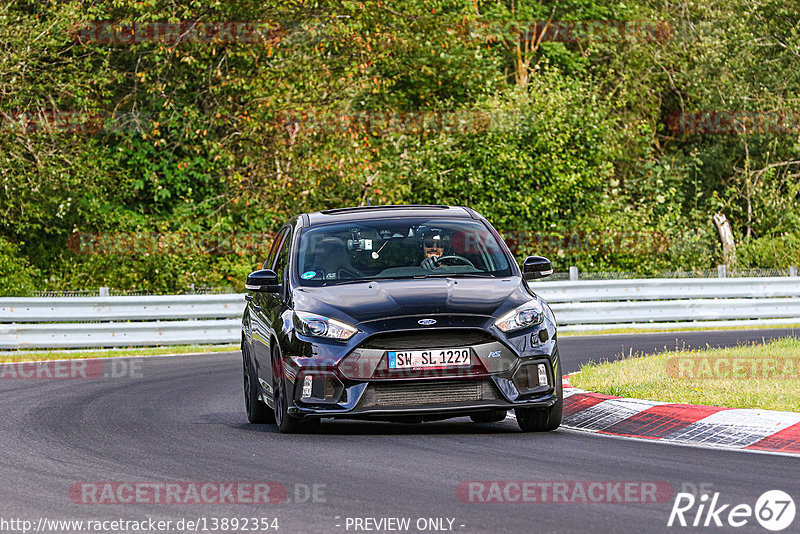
{"points": [[535, 267], [265, 281]]}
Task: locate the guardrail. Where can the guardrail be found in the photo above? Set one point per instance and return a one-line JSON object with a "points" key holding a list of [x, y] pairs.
{"points": [[663, 303], [668, 289], [72, 322]]}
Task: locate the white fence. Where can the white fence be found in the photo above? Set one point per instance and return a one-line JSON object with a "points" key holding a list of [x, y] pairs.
{"points": [[70, 322], [673, 302]]}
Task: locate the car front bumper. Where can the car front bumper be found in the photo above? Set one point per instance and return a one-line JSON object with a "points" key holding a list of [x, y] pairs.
{"points": [[360, 385]]}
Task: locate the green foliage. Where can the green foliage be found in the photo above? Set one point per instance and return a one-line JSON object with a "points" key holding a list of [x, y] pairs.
{"points": [[16, 276], [566, 139], [533, 161], [770, 252]]}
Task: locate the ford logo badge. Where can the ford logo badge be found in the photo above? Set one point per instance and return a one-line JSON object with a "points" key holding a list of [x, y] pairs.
{"points": [[427, 322]]}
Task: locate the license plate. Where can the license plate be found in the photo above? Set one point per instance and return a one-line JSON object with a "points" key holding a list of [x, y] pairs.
{"points": [[410, 359]]}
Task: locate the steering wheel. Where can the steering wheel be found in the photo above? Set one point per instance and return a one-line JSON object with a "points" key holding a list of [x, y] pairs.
{"points": [[455, 260]]}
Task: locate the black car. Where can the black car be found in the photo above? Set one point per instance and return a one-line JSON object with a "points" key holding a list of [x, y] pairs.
{"points": [[402, 313]]}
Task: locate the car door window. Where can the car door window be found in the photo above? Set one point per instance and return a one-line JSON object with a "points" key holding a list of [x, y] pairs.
{"points": [[273, 251], [281, 264]]}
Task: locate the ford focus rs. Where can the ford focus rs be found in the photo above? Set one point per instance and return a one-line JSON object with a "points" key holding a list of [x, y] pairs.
{"points": [[401, 313]]}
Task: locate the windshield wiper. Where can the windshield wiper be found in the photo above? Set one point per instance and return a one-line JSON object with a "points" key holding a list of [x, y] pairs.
{"points": [[406, 277], [456, 275], [362, 280], [344, 282]]}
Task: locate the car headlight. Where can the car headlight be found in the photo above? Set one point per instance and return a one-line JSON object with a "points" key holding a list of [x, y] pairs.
{"points": [[310, 324], [529, 314]]}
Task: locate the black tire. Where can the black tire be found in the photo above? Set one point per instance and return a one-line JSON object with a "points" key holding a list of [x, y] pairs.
{"points": [[286, 423], [493, 416], [543, 419], [257, 411], [539, 419]]}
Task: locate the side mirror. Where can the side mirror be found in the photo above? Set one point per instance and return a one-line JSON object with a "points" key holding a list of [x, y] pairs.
{"points": [[536, 267], [265, 281]]}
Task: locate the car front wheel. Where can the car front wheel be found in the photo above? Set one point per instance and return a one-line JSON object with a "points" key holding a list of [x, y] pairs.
{"points": [[257, 411], [286, 423], [539, 419], [543, 419]]}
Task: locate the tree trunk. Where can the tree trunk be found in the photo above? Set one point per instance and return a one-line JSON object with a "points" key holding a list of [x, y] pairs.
{"points": [[726, 236]]}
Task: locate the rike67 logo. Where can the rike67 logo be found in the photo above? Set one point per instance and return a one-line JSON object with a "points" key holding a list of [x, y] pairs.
{"points": [[774, 510]]}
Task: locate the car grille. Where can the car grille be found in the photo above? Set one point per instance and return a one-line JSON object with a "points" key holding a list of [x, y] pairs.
{"points": [[443, 337], [449, 392]]}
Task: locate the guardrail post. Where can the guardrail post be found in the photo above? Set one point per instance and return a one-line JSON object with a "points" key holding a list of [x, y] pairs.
{"points": [[721, 271], [573, 273], [792, 271], [104, 291]]}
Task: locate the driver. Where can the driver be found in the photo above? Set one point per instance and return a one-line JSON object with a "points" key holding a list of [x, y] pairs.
{"points": [[433, 249]]}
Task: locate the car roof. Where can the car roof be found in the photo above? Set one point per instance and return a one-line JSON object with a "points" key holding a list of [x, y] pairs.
{"points": [[361, 213]]}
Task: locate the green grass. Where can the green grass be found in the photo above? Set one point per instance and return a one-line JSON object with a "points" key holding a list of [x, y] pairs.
{"points": [[654, 378], [35, 356]]}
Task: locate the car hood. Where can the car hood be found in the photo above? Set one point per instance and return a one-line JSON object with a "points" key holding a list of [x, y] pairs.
{"points": [[374, 300]]}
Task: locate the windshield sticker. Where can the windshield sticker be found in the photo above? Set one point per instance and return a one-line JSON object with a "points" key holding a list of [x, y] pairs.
{"points": [[308, 275]]}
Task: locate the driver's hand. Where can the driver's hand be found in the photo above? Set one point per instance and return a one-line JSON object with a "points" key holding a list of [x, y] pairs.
{"points": [[430, 263]]}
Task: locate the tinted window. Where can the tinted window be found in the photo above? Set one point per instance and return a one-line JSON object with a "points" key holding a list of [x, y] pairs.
{"points": [[399, 248], [274, 249], [282, 255]]}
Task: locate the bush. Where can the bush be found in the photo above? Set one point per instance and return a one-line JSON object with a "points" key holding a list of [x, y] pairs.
{"points": [[769, 252], [17, 277], [543, 159]]}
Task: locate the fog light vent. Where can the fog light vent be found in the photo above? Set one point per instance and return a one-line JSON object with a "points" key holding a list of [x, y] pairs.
{"points": [[532, 377], [308, 382], [319, 387], [542, 374]]}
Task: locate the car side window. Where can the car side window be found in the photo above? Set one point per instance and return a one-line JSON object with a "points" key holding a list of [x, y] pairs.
{"points": [[281, 263], [276, 243]]}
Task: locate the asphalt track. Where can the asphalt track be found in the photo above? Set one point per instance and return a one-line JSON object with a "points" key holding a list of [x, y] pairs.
{"points": [[181, 419]]}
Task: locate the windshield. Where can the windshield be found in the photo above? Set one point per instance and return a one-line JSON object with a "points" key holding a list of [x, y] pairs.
{"points": [[398, 248]]}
